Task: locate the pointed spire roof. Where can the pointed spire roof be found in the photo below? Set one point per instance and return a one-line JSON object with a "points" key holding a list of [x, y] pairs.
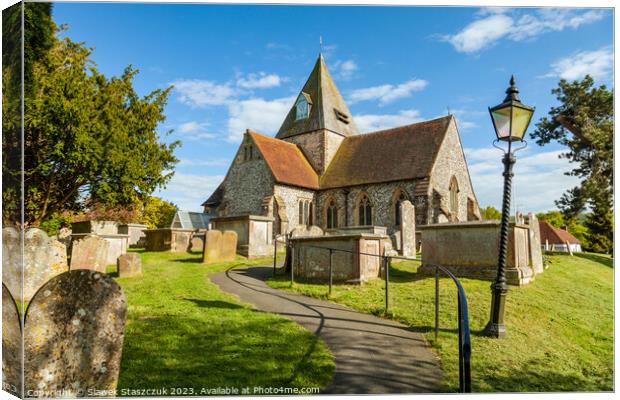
{"points": [[328, 109]]}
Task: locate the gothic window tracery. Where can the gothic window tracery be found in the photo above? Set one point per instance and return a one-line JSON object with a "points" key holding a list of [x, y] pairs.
{"points": [[398, 197], [364, 211], [331, 215]]}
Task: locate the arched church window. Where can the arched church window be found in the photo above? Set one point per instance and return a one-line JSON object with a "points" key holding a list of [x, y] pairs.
{"points": [[302, 106], [306, 211], [454, 195], [397, 199], [301, 212], [364, 210], [331, 215], [310, 214]]}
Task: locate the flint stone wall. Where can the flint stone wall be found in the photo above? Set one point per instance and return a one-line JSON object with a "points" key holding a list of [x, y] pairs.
{"points": [[470, 249], [254, 233], [167, 239], [74, 336], [312, 263]]}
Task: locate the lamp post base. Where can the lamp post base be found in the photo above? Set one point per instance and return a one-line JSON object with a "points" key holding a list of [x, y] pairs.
{"points": [[496, 327]]}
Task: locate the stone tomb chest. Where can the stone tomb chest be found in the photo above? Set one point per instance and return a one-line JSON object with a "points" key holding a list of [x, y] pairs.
{"points": [[254, 233], [168, 239], [311, 259], [136, 234], [470, 249], [107, 230]]}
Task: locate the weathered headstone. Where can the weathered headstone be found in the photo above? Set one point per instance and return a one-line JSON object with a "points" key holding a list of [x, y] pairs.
{"points": [[228, 246], [64, 237], [535, 243], [12, 265], [129, 264], [74, 336], [11, 344], [407, 228], [44, 258], [197, 243], [212, 246], [91, 252]]}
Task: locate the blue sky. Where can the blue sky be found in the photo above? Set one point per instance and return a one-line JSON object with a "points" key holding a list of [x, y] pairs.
{"points": [[236, 67]]}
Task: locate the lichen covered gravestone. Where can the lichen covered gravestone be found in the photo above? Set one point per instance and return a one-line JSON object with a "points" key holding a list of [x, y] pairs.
{"points": [[197, 243], [129, 264], [535, 244], [228, 246], [11, 262], [407, 228], [90, 252], [212, 245], [44, 258], [11, 344], [74, 337]]}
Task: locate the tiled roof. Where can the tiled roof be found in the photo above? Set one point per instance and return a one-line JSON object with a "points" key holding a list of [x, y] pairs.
{"points": [[406, 152], [286, 161], [326, 100], [554, 235], [216, 197]]}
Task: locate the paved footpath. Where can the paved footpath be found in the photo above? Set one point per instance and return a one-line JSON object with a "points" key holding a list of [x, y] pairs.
{"points": [[373, 355]]}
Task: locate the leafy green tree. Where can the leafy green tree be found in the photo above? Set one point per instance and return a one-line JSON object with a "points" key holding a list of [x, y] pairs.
{"points": [[583, 122], [89, 137], [489, 213], [38, 39], [158, 213], [555, 218]]}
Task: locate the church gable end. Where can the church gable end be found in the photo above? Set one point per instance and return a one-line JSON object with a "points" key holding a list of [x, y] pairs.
{"points": [[452, 191]]}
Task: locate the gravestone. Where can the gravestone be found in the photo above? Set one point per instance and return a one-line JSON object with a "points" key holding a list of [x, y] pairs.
{"points": [[64, 237], [11, 344], [535, 244], [129, 264], [44, 258], [11, 262], [74, 336], [407, 229], [90, 252], [212, 246], [197, 243], [228, 246]]}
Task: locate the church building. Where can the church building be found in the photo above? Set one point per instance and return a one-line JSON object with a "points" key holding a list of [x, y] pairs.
{"points": [[319, 170]]}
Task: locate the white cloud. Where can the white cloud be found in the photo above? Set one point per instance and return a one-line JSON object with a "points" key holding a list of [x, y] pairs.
{"points": [[597, 63], [539, 178], [189, 191], [375, 122], [200, 93], [193, 130], [218, 162], [259, 81], [387, 93], [496, 23], [264, 116], [345, 69]]}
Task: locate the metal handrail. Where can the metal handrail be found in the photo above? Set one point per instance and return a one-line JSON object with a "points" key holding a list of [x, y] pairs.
{"points": [[463, 313]]}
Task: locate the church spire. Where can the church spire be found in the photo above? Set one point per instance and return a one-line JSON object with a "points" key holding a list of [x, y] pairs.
{"points": [[318, 106]]}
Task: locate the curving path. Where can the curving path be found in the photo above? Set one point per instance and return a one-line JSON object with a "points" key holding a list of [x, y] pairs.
{"points": [[373, 355]]}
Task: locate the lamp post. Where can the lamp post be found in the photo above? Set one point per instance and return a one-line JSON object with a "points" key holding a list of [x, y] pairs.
{"points": [[510, 121]]}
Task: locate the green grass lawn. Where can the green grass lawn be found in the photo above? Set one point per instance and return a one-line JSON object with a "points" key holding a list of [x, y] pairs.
{"points": [[560, 327], [182, 331]]}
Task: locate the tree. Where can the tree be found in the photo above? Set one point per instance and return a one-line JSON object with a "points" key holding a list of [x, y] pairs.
{"points": [[38, 39], [87, 136], [158, 213], [583, 122], [489, 212]]}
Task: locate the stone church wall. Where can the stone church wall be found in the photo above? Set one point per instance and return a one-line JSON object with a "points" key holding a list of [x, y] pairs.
{"points": [[380, 195], [451, 162], [247, 184], [312, 145], [291, 196], [332, 143]]}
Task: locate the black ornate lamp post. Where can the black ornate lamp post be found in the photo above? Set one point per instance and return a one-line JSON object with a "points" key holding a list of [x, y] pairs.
{"points": [[510, 120]]}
